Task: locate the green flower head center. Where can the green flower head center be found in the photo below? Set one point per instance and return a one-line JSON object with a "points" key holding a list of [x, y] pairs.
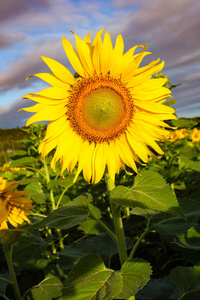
{"points": [[103, 109]]}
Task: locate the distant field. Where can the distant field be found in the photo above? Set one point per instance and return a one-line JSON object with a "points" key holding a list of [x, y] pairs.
{"points": [[9, 142]]}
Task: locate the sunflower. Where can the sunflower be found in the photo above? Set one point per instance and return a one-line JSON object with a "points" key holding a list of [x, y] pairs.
{"points": [[106, 117], [13, 206], [195, 135]]}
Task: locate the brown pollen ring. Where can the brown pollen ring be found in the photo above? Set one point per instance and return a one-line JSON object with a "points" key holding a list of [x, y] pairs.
{"points": [[86, 87]]}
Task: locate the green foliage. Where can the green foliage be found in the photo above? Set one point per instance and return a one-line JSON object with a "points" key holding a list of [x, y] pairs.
{"points": [[90, 279], [188, 280], [48, 288], [72, 214], [149, 191]]}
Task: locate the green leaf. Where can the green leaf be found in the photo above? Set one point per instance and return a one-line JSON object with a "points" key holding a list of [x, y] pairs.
{"points": [[91, 227], [190, 239], [22, 162], [48, 288], [69, 256], [135, 275], [161, 288], [194, 165], [66, 183], [172, 225], [90, 279], [35, 192], [188, 279], [26, 252], [184, 123], [149, 191], [72, 214], [106, 249]]}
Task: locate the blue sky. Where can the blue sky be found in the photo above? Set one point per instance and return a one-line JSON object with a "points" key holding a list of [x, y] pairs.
{"points": [[34, 28]]}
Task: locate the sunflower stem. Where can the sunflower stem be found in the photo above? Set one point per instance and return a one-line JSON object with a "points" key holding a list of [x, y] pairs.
{"points": [[53, 205], [12, 272], [119, 230]]}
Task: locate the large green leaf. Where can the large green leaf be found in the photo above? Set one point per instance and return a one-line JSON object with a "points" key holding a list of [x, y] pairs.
{"points": [[135, 275], [27, 251], [106, 249], [48, 288], [159, 289], [72, 214], [22, 162], [167, 224], [90, 279], [149, 191], [188, 279], [191, 164]]}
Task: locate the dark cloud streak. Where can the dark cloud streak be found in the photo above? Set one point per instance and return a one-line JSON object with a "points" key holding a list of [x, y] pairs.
{"points": [[10, 9]]}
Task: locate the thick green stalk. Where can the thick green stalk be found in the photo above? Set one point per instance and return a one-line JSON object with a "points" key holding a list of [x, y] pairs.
{"points": [[53, 205], [12, 272], [119, 230]]}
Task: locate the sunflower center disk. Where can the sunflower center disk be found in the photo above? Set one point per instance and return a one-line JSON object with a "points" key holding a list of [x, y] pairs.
{"points": [[103, 109], [99, 108]]}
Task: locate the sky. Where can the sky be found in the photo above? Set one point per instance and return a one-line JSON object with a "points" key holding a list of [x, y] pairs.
{"points": [[33, 28]]}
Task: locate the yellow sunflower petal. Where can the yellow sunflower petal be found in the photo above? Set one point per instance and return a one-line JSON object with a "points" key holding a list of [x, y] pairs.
{"points": [[59, 70], [72, 153], [97, 46], [65, 141], [110, 161], [87, 39], [53, 93], [48, 114], [117, 55], [73, 57], [154, 107], [87, 169], [55, 128], [84, 55], [141, 78], [3, 225], [106, 54], [98, 163], [51, 79]]}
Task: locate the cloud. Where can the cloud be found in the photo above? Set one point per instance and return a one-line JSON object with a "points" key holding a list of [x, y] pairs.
{"points": [[10, 9], [11, 118], [18, 71]]}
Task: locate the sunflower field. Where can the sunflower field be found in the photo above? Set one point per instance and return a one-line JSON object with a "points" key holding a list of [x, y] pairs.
{"points": [[104, 202], [68, 250]]}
